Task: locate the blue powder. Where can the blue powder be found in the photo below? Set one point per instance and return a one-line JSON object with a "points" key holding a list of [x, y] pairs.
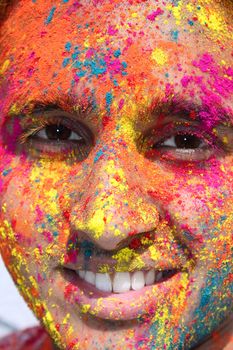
{"points": [[50, 16], [49, 218], [175, 35], [98, 155], [117, 53], [108, 98], [81, 73], [6, 172], [97, 67], [77, 64], [68, 46], [223, 218], [65, 62], [74, 55]]}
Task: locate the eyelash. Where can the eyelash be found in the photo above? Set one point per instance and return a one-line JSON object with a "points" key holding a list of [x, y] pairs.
{"points": [[58, 148], [154, 148], [151, 145]]}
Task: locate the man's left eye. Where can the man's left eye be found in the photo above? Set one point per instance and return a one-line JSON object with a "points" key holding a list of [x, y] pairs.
{"points": [[180, 146], [183, 141]]}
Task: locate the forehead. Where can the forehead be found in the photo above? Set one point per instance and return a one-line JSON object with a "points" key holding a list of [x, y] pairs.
{"points": [[129, 46], [115, 18]]}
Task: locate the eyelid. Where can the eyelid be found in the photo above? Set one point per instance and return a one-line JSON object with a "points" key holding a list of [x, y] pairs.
{"points": [[157, 136], [170, 127], [65, 119]]}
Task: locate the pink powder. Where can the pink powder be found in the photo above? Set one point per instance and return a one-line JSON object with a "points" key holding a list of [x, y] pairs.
{"points": [[155, 14]]}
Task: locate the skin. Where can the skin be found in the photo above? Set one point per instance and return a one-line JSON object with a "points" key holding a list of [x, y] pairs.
{"points": [[154, 55]]}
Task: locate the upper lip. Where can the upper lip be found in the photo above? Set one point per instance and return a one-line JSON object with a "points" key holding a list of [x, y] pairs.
{"points": [[158, 255], [103, 264]]}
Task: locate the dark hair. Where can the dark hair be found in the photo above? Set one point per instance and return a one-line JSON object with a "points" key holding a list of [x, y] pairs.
{"points": [[4, 8]]}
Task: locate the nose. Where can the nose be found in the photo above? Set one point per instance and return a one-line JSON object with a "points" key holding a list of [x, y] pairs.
{"points": [[114, 203]]}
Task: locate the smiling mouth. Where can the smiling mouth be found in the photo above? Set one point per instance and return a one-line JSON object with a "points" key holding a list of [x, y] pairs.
{"points": [[118, 295], [107, 289], [122, 282]]}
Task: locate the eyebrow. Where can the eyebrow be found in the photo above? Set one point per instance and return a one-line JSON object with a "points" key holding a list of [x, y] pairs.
{"points": [[60, 102], [175, 106], [182, 108]]}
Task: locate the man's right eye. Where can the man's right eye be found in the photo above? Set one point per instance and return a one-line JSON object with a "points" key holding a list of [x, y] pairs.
{"points": [[59, 138], [58, 132]]}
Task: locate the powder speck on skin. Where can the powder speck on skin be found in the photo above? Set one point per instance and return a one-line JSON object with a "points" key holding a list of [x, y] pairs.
{"points": [[159, 56], [155, 14], [50, 16], [4, 66]]}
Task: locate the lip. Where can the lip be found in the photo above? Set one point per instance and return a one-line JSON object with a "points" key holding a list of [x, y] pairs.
{"points": [[112, 306], [96, 263]]}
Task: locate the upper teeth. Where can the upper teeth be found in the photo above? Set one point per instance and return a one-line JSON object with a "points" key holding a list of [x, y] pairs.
{"points": [[121, 282]]}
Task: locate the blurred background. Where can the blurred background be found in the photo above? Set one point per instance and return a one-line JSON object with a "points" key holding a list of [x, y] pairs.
{"points": [[14, 313]]}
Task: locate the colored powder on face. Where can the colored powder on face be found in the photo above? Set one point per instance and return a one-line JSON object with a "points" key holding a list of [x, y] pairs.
{"points": [[176, 9], [174, 35], [99, 155], [96, 65], [155, 14], [159, 56], [50, 16], [4, 67], [212, 20], [65, 62], [117, 53], [112, 30], [68, 46], [109, 99]]}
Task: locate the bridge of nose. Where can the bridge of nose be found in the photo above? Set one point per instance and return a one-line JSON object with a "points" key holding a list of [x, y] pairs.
{"points": [[114, 204]]}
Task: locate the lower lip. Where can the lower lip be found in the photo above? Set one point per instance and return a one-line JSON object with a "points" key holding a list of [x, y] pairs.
{"points": [[112, 306]]}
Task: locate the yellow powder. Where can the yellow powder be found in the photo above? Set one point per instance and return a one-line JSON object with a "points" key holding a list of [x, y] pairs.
{"points": [[66, 319], [159, 56], [155, 254], [85, 308], [96, 223], [4, 66]]}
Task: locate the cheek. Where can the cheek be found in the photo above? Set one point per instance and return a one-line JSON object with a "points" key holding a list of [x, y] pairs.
{"points": [[202, 213], [36, 200]]}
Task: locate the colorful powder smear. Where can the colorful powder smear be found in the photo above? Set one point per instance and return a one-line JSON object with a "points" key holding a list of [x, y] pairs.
{"points": [[116, 169]]}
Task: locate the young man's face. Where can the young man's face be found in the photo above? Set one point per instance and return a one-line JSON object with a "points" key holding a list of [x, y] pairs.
{"points": [[116, 159]]}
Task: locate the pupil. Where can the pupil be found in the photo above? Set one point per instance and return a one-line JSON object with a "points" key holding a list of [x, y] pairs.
{"points": [[187, 141], [57, 132]]}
